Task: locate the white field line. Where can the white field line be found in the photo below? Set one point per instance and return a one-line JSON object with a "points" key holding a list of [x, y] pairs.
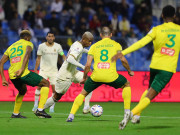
{"points": [[155, 117]]}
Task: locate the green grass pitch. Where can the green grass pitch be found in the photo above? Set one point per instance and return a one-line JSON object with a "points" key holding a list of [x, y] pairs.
{"points": [[157, 119]]}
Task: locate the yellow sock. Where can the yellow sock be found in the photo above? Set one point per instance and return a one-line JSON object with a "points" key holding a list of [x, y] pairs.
{"points": [[141, 106], [18, 103], [126, 94], [77, 103], [143, 95], [44, 95]]}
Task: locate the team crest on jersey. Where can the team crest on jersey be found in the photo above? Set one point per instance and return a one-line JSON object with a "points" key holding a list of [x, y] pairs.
{"points": [[54, 50]]}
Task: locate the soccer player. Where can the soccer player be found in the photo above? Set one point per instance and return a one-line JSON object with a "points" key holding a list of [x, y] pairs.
{"points": [[166, 41], [68, 72], [47, 57], [18, 54], [104, 71]]}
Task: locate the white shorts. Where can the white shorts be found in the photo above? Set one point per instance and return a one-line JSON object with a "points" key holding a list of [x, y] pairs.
{"points": [[49, 75], [62, 86]]}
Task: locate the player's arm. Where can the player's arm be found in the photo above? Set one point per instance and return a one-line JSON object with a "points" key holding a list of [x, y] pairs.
{"points": [[124, 62], [87, 68], [64, 57], [71, 59], [141, 43], [4, 59], [38, 59], [85, 50], [25, 61]]}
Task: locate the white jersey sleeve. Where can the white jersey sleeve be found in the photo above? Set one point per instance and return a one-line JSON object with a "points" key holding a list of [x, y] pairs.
{"points": [[76, 50], [40, 50], [68, 68], [85, 50], [60, 50]]}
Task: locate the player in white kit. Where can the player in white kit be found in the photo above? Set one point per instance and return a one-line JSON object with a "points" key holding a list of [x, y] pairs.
{"points": [[47, 57], [68, 72]]}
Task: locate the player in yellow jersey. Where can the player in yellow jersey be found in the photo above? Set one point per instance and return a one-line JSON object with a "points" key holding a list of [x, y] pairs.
{"points": [[104, 71], [166, 41], [18, 54]]}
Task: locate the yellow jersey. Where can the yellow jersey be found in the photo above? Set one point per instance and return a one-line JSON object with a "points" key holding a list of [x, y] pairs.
{"points": [[166, 41], [16, 53], [102, 52]]}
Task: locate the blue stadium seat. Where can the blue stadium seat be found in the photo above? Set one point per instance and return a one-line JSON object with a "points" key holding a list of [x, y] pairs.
{"points": [[5, 25], [155, 21], [131, 11], [110, 16], [48, 16], [107, 10], [119, 18]]}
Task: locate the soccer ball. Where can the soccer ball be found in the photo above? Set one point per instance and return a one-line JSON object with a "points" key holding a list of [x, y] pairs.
{"points": [[96, 110]]}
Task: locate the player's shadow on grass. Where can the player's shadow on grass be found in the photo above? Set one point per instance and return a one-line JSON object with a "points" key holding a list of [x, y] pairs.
{"points": [[155, 127]]}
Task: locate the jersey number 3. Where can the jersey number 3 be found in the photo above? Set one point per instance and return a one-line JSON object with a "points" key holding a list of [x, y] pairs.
{"points": [[104, 55], [171, 40]]}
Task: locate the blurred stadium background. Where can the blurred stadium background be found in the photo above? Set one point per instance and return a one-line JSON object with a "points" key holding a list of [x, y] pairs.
{"points": [[130, 20]]}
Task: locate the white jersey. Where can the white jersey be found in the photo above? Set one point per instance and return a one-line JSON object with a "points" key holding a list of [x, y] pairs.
{"points": [[68, 70], [49, 56]]}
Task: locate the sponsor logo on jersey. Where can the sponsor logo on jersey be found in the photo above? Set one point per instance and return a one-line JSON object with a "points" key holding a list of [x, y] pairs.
{"points": [[167, 51], [103, 65], [16, 59]]}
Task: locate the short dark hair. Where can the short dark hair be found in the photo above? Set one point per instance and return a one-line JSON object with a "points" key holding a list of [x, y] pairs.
{"points": [[168, 11], [25, 33], [50, 32], [105, 31]]}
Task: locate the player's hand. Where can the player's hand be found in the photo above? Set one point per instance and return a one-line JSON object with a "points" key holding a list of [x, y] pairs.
{"points": [[5, 83], [131, 73], [18, 73]]}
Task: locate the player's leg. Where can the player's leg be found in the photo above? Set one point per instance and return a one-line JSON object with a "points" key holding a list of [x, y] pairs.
{"points": [[37, 91], [19, 97], [78, 78], [34, 79], [136, 118], [89, 86], [160, 80], [51, 109], [122, 82], [36, 98], [52, 80], [87, 106], [61, 87]]}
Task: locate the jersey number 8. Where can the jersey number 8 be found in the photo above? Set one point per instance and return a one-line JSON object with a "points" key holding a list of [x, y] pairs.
{"points": [[104, 55]]}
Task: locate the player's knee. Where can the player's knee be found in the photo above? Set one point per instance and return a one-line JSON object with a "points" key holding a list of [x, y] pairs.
{"points": [[127, 84], [22, 92], [57, 96], [46, 83]]}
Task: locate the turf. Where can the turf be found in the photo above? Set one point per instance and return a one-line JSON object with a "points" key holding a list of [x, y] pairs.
{"points": [[157, 119]]}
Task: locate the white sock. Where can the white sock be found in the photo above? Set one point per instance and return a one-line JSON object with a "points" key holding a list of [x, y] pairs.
{"points": [[49, 103], [87, 100], [52, 106], [40, 109], [54, 102], [36, 101], [126, 110], [137, 116], [71, 116], [15, 113]]}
